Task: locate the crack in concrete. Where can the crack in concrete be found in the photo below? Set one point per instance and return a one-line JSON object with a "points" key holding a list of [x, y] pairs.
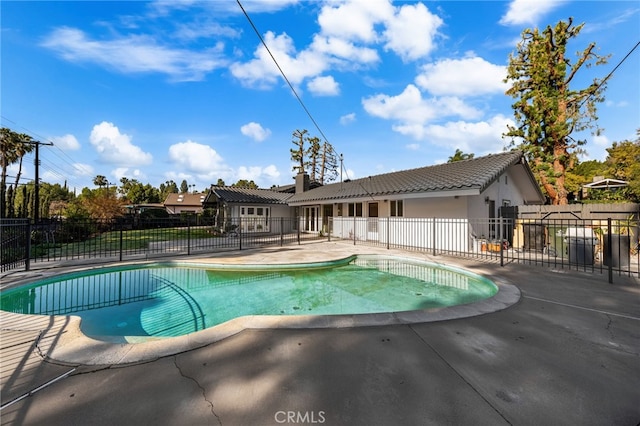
{"points": [[463, 378], [202, 389]]}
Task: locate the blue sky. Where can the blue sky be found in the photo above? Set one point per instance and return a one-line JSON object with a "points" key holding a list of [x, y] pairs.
{"points": [[174, 90]]}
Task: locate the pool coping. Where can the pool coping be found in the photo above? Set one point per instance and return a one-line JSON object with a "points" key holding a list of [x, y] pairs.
{"points": [[68, 345]]}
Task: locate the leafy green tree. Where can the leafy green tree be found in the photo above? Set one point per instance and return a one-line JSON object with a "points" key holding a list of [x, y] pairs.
{"points": [[137, 193], [581, 174], [459, 156], [243, 183], [184, 187], [623, 162], [169, 187], [220, 182], [547, 109], [101, 204], [49, 194]]}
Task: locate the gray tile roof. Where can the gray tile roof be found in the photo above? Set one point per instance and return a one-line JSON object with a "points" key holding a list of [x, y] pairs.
{"points": [[477, 173], [231, 194]]}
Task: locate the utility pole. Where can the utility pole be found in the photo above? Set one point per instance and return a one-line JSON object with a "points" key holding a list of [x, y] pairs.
{"points": [[36, 193]]}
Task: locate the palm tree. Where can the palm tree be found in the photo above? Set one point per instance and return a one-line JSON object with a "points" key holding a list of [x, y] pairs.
{"points": [[13, 147], [100, 181], [459, 156]]}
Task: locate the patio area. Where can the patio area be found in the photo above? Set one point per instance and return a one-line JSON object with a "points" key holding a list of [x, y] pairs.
{"points": [[568, 352]]}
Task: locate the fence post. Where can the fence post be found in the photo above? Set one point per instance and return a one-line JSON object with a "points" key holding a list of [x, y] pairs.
{"points": [[27, 257], [388, 232], [609, 247], [299, 226], [240, 234], [281, 231], [329, 228], [121, 239], [188, 236], [354, 228], [501, 239], [433, 231]]}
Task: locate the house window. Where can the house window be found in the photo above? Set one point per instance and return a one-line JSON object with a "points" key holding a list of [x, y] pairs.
{"points": [[250, 210], [355, 209], [506, 180], [396, 208], [339, 212], [260, 211], [373, 209]]}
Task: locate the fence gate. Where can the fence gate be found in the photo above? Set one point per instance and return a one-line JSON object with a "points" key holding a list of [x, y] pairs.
{"points": [[14, 243]]}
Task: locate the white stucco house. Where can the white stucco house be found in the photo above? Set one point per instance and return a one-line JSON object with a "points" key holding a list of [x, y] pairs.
{"points": [[443, 198], [474, 188]]}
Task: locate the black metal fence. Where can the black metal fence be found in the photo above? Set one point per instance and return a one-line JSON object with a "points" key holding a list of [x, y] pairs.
{"points": [[603, 246], [118, 240], [599, 246], [14, 244]]}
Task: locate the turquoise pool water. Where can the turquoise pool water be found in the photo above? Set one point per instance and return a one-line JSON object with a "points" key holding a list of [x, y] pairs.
{"points": [[173, 299]]}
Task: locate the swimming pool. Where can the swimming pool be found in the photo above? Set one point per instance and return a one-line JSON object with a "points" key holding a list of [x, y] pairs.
{"points": [[170, 299]]}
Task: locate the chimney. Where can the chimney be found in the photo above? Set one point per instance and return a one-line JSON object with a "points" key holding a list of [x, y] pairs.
{"points": [[302, 182]]}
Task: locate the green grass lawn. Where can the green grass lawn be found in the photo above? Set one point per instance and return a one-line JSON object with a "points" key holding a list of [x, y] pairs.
{"points": [[108, 243]]}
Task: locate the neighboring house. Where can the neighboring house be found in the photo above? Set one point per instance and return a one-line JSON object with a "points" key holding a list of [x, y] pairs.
{"points": [[253, 207], [468, 189], [184, 203]]}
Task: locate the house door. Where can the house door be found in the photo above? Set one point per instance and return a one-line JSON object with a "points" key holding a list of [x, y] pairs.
{"points": [[372, 222]]}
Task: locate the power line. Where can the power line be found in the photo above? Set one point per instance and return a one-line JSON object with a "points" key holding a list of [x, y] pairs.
{"points": [[282, 72], [604, 80], [57, 151], [284, 76]]}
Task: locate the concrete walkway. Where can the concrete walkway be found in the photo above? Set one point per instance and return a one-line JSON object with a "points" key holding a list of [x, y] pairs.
{"points": [[568, 352]]}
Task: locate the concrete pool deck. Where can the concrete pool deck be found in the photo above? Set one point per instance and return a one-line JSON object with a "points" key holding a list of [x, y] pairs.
{"points": [[567, 352]]}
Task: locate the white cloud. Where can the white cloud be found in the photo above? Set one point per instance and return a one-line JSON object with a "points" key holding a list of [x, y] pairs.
{"points": [[121, 172], [324, 86], [413, 146], [528, 12], [262, 176], [344, 49], [192, 157], [262, 71], [116, 148], [462, 77], [411, 32], [354, 20], [350, 32], [66, 142], [255, 131], [348, 118], [412, 111], [474, 137], [135, 54]]}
